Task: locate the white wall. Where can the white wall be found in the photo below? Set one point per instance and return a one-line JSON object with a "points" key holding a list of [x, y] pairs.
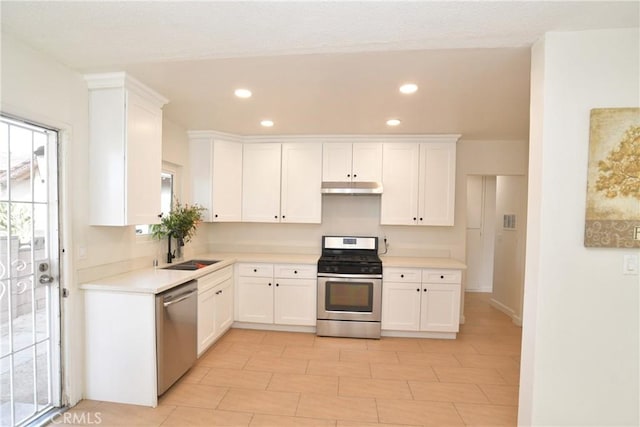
{"points": [[581, 323], [38, 88], [508, 267]]}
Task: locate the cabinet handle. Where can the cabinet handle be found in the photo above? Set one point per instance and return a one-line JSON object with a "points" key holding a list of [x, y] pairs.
{"points": [[348, 175], [402, 276], [275, 216], [283, 217], [277, 284], [355, 176], [216, 215], [414, 218], [442, 277], [418, 290], [420, 218], [255, 270], [295, 271], [160, 215], [269, 284]]}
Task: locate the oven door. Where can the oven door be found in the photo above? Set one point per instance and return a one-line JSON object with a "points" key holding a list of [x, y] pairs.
{"points": [[350, 297]]}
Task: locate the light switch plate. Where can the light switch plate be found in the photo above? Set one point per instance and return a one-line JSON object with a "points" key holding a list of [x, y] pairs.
{"points": [[630, 265]]}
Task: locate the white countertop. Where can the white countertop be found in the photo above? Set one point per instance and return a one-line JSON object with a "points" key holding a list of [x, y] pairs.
{"points": [[154, 280]]}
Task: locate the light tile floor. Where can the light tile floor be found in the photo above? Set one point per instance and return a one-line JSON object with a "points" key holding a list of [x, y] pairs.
{"points": [[258, 378]]}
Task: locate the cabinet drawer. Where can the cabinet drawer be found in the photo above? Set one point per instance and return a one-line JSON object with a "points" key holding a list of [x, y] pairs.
{"points": [[441, 276], [212, 279], [409, 275], [296, 271], [255, 270]]}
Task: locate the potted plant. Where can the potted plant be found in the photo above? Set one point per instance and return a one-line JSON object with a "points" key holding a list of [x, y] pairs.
{"points": [[180, 223]]}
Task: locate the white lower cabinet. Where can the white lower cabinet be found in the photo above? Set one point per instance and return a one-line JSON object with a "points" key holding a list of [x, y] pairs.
{"points": [[282, 294], [421, 300], [401, 306], [215, 307]]}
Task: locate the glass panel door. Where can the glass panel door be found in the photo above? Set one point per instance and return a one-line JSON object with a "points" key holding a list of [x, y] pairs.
{"points": [[29, 265]]}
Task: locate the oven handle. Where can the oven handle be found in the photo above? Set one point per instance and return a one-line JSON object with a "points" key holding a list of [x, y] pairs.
{"points": [[349, 276]]}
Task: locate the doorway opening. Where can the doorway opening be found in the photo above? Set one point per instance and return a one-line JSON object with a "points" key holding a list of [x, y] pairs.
{"points": [[495, 240]]}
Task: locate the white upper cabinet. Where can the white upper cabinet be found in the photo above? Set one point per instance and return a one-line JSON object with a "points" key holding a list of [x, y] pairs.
{"points": [[125, 150], [419, 183], [281, 182], [261, 182], [400, 175], [216, 176], [437, 191], [301, 200], [356, 162]]}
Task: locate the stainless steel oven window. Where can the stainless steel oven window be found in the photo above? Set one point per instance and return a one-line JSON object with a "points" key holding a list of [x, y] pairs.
{"points": [[373, 315], [346, 296]]}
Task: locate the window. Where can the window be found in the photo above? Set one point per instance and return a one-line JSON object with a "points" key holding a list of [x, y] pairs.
{"points": [[166, 199]]}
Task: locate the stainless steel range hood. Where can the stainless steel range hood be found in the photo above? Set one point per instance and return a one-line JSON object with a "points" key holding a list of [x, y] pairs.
{"points": [[356, 188]]}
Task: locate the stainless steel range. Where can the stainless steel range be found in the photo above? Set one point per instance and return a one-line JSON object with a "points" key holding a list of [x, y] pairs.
{"points": [[349, 287]]}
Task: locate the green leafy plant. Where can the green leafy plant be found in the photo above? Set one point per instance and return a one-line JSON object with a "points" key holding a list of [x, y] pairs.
{"points": [[20, 220], [180, 223]]}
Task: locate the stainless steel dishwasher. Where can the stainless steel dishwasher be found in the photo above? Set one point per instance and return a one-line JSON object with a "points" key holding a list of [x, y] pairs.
{"points": [[176, 333]]}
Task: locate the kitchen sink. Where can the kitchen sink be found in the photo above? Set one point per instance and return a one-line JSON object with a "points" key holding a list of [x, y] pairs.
{"points": [[194, 264]]}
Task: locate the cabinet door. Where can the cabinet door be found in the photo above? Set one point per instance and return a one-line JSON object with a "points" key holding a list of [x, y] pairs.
{"points": [[255, 300], [144, 160], [200, 172], [226, 182], [206, 319], [301, 200], [367, 162], [336, 161], [125, 150], [295, 302], [437, 183], [399, 200], [440, 310], [401, 306], [223, 307], [261, 182]]}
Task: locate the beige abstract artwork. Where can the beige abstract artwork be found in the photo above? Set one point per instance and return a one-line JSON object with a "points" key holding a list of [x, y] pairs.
{"points": [[613, 182]]}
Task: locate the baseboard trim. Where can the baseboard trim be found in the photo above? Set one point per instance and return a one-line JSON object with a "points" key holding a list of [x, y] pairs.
{"points": [[479, 290], [517, 320], [410, 334], [273, 327]]}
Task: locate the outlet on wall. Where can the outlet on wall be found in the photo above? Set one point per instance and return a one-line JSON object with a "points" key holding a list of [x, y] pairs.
{"points": [[630, 265]]}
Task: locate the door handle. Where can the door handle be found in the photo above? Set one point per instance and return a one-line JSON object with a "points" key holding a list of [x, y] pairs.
{"points": [[179, 299], [46, 279]]}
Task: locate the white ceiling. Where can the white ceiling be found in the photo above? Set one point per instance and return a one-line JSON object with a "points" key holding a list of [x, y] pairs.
{"points": [[319, 67]]}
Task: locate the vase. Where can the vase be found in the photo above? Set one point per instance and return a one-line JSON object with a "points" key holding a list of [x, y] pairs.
{"points": [[179, 245]]}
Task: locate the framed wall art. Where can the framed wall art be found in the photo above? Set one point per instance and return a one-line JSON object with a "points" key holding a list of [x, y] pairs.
{"points": [[613, 181]]}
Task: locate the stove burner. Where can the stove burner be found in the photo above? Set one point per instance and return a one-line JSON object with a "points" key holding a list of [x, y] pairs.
{"points": [[340, 258]]}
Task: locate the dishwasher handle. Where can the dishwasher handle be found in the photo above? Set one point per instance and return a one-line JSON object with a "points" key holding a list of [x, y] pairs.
{"points": [[179, 298]]}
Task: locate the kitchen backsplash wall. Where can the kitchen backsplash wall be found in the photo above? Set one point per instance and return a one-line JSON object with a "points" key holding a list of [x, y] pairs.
{"points": [[341, 215]]}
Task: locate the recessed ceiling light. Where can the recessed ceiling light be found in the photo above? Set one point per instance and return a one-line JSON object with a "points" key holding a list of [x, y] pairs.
{"points": [[243, 93], [267, 123], [408, 88], [393, 122]]}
